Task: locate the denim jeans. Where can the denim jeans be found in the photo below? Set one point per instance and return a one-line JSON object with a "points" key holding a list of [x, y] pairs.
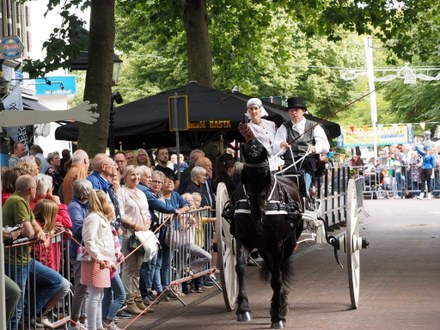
{"points": [[47, 281], [150, 275], [164, 259], [308, 182], [19, 275], [399, 179], [109, 308]]}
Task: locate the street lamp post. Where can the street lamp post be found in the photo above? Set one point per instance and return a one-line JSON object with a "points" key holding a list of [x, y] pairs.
{"points": [[116, 97]]}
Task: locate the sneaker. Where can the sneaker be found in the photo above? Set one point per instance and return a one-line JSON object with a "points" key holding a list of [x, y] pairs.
{"points": [[44, 320], [152, 295], [208, 283], [146, 301], [111, 326], [165, 297], [124, 315]]}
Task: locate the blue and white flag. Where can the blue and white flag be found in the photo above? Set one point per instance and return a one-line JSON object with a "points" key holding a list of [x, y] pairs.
{"points": [[14, 102]]}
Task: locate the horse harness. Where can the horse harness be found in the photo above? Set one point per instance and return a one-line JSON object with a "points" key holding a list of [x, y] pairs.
{"points": [[284, 204]]}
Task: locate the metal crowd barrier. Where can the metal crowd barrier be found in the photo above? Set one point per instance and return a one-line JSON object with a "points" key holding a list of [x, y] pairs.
{"points": [[60, 314], [396, 182], [184, 234]]}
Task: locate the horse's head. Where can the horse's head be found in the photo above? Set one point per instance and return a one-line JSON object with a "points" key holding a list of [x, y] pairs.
{"points": [[256, 177], [255, 153]]}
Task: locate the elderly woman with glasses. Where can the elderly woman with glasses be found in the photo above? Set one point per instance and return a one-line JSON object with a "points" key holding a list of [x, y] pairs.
{"points": [[151, 183], [135, 216]]}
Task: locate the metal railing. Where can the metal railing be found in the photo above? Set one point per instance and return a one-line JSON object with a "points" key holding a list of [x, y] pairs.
{"points": [[190, 238], [397, 181], [58, 262]]}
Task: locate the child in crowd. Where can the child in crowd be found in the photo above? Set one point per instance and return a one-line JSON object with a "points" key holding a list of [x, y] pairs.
{"points": [[199, 257], [99, 243], [49, 251]]}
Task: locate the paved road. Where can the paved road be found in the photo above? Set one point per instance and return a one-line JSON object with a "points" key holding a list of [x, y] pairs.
{"points": [[400, 281]]}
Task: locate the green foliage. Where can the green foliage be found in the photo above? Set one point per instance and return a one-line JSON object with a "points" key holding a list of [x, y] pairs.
{"points": [[259, 47], [63, 43], [408, 28], [415, 103], [276, 47]]}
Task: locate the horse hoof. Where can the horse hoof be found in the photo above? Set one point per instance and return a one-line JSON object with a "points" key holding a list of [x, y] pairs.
{"points": [[244, 317], [277, 325]]}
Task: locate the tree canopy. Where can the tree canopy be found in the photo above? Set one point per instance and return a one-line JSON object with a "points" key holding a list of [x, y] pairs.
{"points": [[282, 47]]}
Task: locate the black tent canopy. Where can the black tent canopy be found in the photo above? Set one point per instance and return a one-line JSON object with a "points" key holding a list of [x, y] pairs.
{"points": [[212, 113]]}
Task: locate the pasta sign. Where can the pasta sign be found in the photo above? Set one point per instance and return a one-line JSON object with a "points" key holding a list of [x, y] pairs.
{"points": [[386, 135], [210, 124]]}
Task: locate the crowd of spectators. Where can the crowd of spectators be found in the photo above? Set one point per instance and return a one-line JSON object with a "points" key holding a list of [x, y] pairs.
{"points": [[403, 171], [99, 202]]}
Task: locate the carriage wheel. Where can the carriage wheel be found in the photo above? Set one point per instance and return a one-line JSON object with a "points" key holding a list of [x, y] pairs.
{"points": [[226, 250], [353, 244]]}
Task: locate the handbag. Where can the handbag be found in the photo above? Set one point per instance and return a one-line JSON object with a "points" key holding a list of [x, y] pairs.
{"points": [[133, 243], [82, 254]]}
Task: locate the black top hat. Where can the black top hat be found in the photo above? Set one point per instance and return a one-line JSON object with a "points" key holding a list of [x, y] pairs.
{"points": [[296, 102]]}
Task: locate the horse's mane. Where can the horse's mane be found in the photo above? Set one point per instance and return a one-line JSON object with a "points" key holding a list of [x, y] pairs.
{"points": [[256, 172]]}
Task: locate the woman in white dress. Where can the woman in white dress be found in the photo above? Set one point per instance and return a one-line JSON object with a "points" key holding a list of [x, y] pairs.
{"points": [[262, 129]]}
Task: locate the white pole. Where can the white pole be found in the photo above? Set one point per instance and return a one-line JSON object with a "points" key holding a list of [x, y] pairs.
{"points": [[368, 43]]}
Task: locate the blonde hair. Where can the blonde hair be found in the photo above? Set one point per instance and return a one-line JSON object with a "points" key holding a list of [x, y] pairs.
{"points": [[99, 203], [189, 198], [147, 162], [28, 165], [46, 211], [129, 170], [199, 197]]}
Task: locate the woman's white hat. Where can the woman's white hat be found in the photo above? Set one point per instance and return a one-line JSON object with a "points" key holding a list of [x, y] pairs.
{"points": [[256, 101]]}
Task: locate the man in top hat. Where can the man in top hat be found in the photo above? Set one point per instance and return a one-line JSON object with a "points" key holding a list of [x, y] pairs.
{"points": [[303, 137]]}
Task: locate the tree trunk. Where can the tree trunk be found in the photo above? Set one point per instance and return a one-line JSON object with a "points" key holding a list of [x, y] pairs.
{"points": [[195, 19], [93, 138]]}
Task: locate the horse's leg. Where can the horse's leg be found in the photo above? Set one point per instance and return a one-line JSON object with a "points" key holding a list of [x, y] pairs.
{"points": [[281, 272], [243, 308], [286, 273], [277, 307]]}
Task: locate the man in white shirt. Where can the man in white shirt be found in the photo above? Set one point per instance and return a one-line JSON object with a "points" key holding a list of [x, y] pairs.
{"points": [[298, 137]]}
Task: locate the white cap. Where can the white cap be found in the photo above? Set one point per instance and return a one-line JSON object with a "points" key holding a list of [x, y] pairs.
{"points": [[257, 102]]}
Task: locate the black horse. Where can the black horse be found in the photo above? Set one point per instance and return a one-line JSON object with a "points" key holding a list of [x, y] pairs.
{"points": [[268, 217]]}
